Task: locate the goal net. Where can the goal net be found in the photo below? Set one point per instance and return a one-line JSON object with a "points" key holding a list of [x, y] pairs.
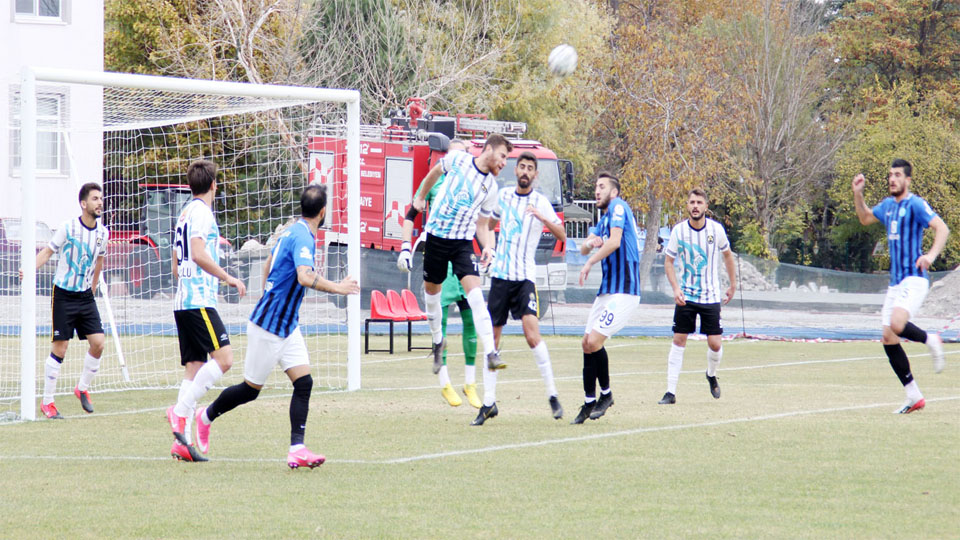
{"points": [[269, 143]]}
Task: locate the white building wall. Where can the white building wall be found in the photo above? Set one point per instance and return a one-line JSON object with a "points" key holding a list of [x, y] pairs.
{"points": [[76, 42]]}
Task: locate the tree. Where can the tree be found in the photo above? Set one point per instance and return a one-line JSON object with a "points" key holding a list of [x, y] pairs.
{"points": [[781, 69], [897, 42], [930, 141], [664, 99]]}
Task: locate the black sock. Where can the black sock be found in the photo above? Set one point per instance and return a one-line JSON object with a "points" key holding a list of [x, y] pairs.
{"points": [[589, 375], [57, 358], [299, 408], [231, 398], [913, 333], [603, 369], [899, 363]]}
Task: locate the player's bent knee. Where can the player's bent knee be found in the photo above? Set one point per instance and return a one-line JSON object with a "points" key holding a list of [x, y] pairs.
{"points": [[303, 385], [249, 392]]}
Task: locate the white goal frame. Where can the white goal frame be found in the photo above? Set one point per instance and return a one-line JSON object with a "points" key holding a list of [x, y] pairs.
{"points": [[28, 140]]}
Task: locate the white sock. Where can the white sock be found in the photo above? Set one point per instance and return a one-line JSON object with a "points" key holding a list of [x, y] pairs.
{"points": [[51, 370], [295, 447], [434, 314], [674, 364], [469, 374], [443, 376], [182, 395], [204, 418], [489, 386], [713, 360], [208, 376], [913, 391], [546, 370], [481, 320], [90, 367]]}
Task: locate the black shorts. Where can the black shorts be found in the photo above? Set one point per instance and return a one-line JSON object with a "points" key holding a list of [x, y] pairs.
{"points": [[74, 311], [440, 251], [685, 319], [519, 298], [200, 332]]}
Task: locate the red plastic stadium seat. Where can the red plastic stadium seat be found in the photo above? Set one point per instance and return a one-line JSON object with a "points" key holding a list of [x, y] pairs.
{"points": [[380, 308], [396, 305], [411, 306]]}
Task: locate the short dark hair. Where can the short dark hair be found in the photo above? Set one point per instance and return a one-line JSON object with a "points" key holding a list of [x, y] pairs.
{"points": [[313, 200], [200, 175], [496, 140], [907, 168], [699, 192], [87, 188], [526, 155], [613, 179]]}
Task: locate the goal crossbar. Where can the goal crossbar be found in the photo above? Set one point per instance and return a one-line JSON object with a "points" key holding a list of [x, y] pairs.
{"points": [[28, 125]]}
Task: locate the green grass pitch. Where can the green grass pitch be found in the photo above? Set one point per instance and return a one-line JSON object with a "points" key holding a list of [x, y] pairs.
{"points": [[802, 444]]}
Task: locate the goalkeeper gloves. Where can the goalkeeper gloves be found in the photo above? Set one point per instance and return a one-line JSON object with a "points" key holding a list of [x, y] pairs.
{"points": [[404, 261]]}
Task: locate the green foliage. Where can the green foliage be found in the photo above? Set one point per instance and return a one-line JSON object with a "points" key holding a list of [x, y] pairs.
{"points": [[752, 242], [919, 133]]}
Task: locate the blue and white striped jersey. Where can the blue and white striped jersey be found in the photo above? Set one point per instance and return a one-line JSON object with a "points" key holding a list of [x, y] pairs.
{"points": [[519, 234], [196, 288], [278, 310], [465, 194], [698, 252], [621, 269], [79, 247], [905, 222]]}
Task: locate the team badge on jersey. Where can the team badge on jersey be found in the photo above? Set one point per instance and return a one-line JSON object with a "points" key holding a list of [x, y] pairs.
{"points": [[709, 238]]}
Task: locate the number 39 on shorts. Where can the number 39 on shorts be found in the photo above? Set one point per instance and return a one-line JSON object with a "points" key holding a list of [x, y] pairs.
{"points": [[606, 318]]}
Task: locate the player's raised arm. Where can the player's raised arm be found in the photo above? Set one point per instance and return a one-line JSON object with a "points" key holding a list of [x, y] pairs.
{"points": [[420, 201], [309, 278], [864, 214]]}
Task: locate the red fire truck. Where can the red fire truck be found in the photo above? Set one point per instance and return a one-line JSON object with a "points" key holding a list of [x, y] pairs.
{"points": [[395, 157]]}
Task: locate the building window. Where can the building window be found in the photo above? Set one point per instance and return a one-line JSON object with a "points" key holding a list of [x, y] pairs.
{"points": [[39, 8], [51, 140]]}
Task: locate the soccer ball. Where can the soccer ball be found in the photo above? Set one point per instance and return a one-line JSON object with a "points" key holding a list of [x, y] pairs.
{"points": [[563, 60]]}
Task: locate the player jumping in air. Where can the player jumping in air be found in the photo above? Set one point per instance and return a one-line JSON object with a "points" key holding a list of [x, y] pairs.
{"points": [[905, 216], [273, 331], [81, 243], [618, 249], [522, 214], [451, 293], [196, 265], [461, 209], [696, 242]]}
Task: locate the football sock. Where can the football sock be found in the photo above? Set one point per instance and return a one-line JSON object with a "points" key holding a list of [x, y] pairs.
{"points": [[299, 407], [295, 447], [674, 364], [443, 376], [443, 329], [51, 371], [913, 333], [90, 367], [713, 360], [208, 376], [431, 303], [231, 398], [481, 320], [899, 363], [469, 338], [913, 391], [489, 386], [542, 355], [589, 377], [603, 370]]}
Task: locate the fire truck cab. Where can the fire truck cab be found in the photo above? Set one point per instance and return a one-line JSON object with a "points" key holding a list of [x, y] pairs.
{"points": [[395, 157]]}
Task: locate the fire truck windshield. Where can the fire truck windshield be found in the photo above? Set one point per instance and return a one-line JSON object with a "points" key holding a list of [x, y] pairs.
{"points": [[548, 179]]}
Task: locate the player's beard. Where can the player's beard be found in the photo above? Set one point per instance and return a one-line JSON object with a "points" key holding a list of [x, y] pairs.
{"points": [[603, 203], [520, 181], [694, 216], [897, 191]]}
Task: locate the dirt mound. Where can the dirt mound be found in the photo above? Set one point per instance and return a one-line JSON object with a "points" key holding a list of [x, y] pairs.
{"points": [[944, 298], [751, 279]]}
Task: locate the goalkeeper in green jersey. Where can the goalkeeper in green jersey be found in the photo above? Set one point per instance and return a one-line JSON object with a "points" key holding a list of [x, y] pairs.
{"points": [[451, 293]]}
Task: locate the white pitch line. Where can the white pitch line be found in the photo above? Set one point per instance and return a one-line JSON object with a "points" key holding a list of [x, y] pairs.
{"points": [[500, 447]]}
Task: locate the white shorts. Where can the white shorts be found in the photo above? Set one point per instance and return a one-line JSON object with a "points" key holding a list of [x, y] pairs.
{"points": [[266, 350], [908, 295], [611, 312]]}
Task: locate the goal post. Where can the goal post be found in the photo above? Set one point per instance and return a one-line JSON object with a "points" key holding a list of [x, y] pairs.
{"points": [[151, 127]]}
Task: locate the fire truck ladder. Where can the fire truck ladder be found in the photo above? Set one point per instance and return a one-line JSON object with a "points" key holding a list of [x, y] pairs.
{"points": [[477, 125]]}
